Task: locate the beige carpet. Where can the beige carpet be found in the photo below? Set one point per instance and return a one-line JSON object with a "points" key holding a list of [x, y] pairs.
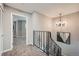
{"points": [[24, 50]]}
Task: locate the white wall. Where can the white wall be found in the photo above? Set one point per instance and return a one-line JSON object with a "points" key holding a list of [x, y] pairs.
{"points": [[1, 28], [72, 27], [7, 25], [39, 22], [1, 32], [36, 21]]}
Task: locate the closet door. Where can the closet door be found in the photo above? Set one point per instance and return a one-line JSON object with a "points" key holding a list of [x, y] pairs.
{"points": [[1, 35]]}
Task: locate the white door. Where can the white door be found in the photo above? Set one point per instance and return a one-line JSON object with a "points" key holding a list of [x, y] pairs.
{"points": [[1, 42]]}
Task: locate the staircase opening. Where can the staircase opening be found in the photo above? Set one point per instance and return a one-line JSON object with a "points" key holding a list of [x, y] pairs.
{"points": [[44, 41]]}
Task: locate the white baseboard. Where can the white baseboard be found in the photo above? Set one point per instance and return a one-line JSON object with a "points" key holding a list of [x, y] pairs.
{"points": [[0, 53], [7, 50]]}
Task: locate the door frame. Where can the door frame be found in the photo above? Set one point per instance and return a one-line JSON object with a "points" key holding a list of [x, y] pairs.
{"points": [[12, 13], [1, 30]]}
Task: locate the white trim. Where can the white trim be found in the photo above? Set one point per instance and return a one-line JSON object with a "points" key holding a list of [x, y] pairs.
{"points": [[1, 53], [7, 50], [12, 27], [1, 50], [12, 13], [11, 31]]}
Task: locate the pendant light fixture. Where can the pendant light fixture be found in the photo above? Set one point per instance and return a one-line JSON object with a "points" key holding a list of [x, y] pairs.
{"points": [[60, 22]]}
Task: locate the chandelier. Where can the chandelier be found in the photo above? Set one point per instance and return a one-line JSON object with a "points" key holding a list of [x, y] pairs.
{"points": [[60, 23]]}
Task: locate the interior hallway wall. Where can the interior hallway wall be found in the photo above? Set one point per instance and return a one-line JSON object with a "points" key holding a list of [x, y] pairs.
{"points": [[36, 21], [40, 22], [72, 26], [1, 29], [7, 25]]}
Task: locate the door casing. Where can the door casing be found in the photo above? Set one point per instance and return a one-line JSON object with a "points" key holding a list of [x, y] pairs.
{"points": [[1, 32], [12, 27]]}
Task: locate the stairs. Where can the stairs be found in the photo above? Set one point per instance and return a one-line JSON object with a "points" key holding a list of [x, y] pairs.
{"points": [[44, 41]]}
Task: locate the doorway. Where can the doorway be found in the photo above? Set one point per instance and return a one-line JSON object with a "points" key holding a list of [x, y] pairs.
{"points": [[19, 31]]}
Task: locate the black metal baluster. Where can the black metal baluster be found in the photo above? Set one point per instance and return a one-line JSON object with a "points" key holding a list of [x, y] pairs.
{"points": [[33, 38], [44, 41]]}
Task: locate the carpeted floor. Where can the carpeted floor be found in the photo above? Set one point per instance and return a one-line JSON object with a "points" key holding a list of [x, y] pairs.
{"points": [[24, 50]]}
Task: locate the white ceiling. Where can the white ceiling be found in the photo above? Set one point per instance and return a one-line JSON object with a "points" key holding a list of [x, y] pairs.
{"points": [[48, 9]]}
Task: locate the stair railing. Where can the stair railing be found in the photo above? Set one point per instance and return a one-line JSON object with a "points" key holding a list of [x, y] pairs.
{"points": [[44, 41]]}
